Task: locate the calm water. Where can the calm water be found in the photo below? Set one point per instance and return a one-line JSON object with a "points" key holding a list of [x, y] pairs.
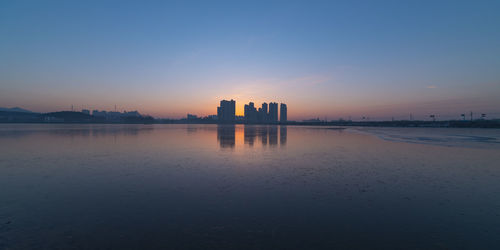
{"points": [[247, 187]]}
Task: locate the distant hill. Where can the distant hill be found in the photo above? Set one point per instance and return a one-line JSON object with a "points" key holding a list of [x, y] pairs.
{"points": [[15, 109]]}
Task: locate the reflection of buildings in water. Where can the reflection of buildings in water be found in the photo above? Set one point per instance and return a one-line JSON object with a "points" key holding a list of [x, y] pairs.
{"points": [[249, 134], [266, 134], [226, 135], [262, 132], [273, 135], [283, 134]]}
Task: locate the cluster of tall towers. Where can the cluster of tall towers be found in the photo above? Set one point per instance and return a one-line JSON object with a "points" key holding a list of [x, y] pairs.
{"points": [[226, 112], [265, 114]]}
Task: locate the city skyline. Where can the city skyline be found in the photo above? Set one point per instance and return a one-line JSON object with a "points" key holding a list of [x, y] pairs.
{"points": [[262, 124], [257, 116], [329, 59], [267, 113]]}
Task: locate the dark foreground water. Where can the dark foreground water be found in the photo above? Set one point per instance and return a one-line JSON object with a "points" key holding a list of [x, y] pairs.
{"points": [[247, 187]]}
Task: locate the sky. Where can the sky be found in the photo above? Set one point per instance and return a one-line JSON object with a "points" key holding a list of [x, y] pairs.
{"points": [[326, 59]]}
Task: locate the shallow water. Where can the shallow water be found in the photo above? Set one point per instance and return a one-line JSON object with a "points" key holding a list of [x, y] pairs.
{"points": [[247, 187], [451, 137]]}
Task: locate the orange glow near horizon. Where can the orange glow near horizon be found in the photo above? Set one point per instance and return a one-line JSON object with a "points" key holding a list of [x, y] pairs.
{"points": [[299, 108]]}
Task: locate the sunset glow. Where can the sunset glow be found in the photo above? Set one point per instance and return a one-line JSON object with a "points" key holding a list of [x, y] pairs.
{"points": [[330, 59], [223, 124]]}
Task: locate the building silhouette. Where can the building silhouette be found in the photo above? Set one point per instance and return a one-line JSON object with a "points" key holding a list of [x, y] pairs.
{"points": [[283, 113], [267, 113], [264, 115], [273, 112], [191, 117], [251, 114], [226, 112]]}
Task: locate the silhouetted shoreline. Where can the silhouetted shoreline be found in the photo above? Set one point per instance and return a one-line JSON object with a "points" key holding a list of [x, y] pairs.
{"points": [[68, 117]]}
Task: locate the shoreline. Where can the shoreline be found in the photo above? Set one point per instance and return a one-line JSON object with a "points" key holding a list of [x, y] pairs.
{"points": [[381, 124]]}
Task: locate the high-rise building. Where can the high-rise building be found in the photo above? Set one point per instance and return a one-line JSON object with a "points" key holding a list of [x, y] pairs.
{"points": [[250, 113], [273, 112], [226, 112], [268, 113], [263, 114], [283, 113]]}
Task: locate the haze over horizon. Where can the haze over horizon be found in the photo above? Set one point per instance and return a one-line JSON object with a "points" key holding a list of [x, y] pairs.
{"points": [[322, 58]]}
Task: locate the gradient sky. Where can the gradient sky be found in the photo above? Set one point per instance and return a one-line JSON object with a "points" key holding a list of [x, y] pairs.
{"points": [[323, 58]]}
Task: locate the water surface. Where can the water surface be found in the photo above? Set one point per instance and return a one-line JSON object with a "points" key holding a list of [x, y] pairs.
{"points": [[247, 187]]}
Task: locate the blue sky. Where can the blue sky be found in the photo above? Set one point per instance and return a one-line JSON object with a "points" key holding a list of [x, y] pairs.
{"points": [[322, 58]]}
